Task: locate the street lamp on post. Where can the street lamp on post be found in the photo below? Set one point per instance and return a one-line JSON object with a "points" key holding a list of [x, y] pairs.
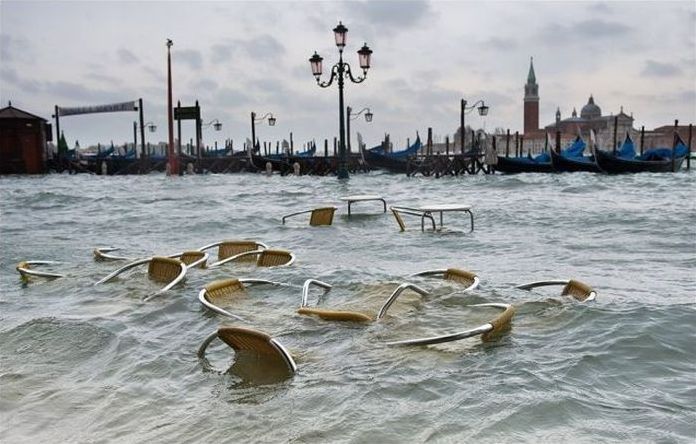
{"points": [[482, 110], [254, 121], [172, 159], [352, 116], [340, 71]]}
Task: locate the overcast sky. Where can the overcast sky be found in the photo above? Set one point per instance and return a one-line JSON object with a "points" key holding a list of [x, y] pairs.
{"points": [[238, 57]]}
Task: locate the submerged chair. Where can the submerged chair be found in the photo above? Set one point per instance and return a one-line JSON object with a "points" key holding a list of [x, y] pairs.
{"points": [[160, 269], [346, 315], [265, 258], [488, 331], [578, 290], [192, 258], [265, 349], [229, 248], [467, 278], [225, 290], [25, 269], [397, 212], [320, 216]]}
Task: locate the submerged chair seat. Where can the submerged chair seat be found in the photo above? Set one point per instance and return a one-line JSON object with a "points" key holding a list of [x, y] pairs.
{"points": [[266, 348], [265, 258], [229, 248], [578, 290], [160, 269], [488, 331], [226, 290], [192, 258], [25, 269], [320, 216], [467, 278], [347, 315]]}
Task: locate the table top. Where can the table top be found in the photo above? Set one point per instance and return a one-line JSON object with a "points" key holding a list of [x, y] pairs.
{"points": [[358, 197], [441, 207]]}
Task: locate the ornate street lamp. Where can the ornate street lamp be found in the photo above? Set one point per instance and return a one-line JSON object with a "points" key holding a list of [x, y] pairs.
{"points": [[217, 126], [352, 116], [254, 121], [482, 110], [340, 71]]}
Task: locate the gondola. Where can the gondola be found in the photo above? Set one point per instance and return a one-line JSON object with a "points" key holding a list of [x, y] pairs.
{"points": [[654, 160], [396, 162], [512, 165], [573, 160]]}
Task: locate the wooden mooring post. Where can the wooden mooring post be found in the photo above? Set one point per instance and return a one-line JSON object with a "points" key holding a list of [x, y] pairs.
{"points": [[688, 150]]}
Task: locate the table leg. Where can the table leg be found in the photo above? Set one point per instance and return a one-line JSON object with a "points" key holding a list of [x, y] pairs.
{"points": [[385, 204], [349, 202]]}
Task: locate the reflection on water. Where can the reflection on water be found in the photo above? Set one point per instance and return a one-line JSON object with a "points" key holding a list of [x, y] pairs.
{"points": [[83, 363]]}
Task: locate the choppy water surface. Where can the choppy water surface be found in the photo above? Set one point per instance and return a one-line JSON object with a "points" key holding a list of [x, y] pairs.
{"points": [[80, 363]]}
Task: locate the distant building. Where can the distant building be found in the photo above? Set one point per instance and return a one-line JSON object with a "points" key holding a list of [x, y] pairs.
{"points": [[23, 138], [591, 118]]}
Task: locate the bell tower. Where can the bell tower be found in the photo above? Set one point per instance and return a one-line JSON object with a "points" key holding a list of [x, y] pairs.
{"points": [[531, 101]]}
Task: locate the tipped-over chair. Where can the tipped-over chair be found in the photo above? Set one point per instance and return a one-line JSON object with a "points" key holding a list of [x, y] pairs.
{"points": [[25, 269], [578, 290], [488, 331], [225, 290], [346, 315], [160, 269], [320, 216], [397, 212], [230, 248], [454, 274], [267, 349], [265, 258]]}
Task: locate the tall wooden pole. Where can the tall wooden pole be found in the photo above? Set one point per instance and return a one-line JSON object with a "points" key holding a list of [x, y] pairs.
{"points": [[642, 138], [172, 157], [143, 154], [674, 143], [616, 128], [688, 151]]}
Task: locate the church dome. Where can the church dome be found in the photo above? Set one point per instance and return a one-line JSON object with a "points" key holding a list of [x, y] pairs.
{"points": [[590, 111]]}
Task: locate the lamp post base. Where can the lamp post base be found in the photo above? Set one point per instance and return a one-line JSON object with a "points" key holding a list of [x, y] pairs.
{"points": [[342, 173]]}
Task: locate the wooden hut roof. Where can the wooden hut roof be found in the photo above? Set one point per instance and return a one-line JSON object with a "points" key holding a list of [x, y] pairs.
{"points": [[10, 112]]}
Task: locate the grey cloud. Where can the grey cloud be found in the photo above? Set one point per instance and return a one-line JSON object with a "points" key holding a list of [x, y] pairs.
{"points": [[191, 57], [599, 28], [500, 44], [227, 97], [104, 78], [126, 57], [204, 84], [263, 47], [82, 94], [582, 32], [27, 85], [392, 14], [657, 69], [15, 49]]}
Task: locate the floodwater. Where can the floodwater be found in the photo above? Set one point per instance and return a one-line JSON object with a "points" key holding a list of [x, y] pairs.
{"points": [[85, 363]]}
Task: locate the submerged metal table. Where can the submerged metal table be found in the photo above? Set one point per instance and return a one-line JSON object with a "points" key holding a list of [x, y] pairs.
{"points": [[363, 198], [428, 210]]}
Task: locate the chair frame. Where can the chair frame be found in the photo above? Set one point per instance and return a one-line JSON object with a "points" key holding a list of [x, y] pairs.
{"points": [[443, 271], [214, 308], [397, 211], [275, 344], [590, 297], [179, 278], [198, 263], [25, 271], [310, 211], [487, 330], [383, 310], [259, 246], [249, 253], [102, 254]]}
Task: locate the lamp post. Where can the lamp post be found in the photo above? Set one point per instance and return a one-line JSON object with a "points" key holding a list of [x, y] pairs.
{"points": [[172, 159], [150, 126], [340, 71], [254, 120], [482, 110], [217, 126], [353, 116]]}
